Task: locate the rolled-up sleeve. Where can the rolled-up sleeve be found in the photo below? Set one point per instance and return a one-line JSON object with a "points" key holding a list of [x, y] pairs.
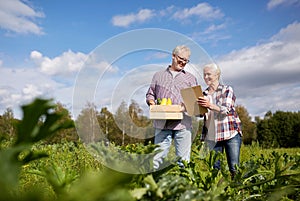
{"points": [[227, 100], [150, 95]]}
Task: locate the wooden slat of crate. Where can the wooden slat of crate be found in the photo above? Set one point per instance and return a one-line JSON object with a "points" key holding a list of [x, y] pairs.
{"points": [[165, 108], [166, 115], [165, 112]]}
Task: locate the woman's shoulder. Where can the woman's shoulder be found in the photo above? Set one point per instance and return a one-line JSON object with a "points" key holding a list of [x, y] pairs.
{"points": [[224, 88]]}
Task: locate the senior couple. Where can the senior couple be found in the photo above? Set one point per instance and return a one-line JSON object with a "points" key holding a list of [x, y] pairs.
{"points": [[222, 126]]}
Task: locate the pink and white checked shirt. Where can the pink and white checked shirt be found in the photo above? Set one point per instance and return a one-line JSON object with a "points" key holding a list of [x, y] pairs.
{"points": [[164, 85]]}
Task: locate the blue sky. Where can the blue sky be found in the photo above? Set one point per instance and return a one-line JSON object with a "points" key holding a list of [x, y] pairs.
{"points": [[44, 45]]}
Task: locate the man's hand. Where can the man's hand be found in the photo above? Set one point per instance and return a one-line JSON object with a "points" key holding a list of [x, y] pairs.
{"points": [[183, 109], [151, 102]]}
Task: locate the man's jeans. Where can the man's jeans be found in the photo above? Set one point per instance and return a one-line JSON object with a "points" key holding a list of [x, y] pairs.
{"points": [[232, 148], [182, 142]]}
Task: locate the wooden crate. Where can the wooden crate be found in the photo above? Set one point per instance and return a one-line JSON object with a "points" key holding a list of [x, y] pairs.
{"points": [[165, 112]]}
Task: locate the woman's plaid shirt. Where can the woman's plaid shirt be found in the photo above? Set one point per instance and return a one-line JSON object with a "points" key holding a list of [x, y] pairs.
{"points": [[227, 121]]}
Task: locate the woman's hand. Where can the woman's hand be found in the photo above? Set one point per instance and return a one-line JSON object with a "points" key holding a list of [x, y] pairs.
{"points": [[203, 101]]}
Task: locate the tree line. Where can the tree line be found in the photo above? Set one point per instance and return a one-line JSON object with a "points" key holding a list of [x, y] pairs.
{"points": [[130, 125]]}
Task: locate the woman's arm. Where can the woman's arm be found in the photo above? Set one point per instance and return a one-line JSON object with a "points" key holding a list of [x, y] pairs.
{"points": [[226, 100]]}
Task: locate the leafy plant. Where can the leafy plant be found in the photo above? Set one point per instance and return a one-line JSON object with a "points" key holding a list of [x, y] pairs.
{"points": [[38, 123]]}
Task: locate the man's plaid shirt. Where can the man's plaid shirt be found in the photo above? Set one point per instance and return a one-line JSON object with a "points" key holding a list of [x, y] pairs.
{"points": [[164, 85]]}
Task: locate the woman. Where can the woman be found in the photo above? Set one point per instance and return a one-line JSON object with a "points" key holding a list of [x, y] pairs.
{"points": [[222, 126]]}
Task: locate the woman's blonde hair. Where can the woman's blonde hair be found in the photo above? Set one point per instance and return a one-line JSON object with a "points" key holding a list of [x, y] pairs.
{"points": [[215, 67]]}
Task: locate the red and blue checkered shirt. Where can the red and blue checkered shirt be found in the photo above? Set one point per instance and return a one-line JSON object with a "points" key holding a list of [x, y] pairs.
{"points": [[226, 122]]}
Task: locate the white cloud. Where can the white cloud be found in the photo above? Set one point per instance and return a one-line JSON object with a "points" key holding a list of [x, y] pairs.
{"points": [[212, 34], [289, 34], [20, 86], [30, 91], [68, 62], [167, 11], [36, 55], [17, 16], [276, 3], [279, 55], [266, 76], [203, 11], [50, 78], [213, 28], [95, 61], [126, 20]]}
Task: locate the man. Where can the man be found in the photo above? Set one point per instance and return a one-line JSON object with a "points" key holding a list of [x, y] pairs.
{"points": [[167, 84]]}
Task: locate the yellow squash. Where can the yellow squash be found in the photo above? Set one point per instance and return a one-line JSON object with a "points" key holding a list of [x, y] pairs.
{"points": [[163, 101]]}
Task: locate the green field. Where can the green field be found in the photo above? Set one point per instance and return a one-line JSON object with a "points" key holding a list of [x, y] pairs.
{"points": [[33, 169], [69, 172]]}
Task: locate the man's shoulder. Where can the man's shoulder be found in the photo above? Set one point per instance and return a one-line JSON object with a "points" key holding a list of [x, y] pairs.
{"points": [[189, 74], [162, 71]]}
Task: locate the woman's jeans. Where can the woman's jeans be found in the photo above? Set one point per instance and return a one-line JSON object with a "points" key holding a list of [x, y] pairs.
{"points": [[232, 148], [182, 142]]}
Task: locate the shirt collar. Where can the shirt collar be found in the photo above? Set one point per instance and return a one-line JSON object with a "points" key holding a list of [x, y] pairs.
{"points": [[219, 88], [168, 69]]}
